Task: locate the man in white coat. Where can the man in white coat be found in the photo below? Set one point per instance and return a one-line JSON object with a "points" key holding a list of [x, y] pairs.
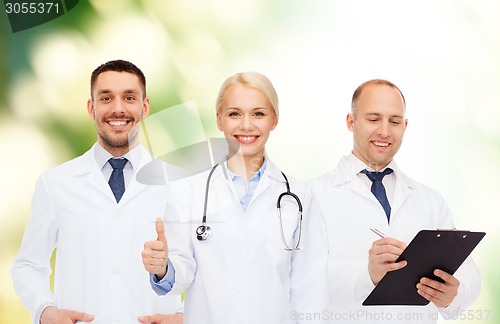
{"points": [[377, 121], [98, 228]]}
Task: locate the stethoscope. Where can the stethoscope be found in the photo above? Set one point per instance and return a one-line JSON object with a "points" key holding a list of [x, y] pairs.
{"points": [[204, 231]]}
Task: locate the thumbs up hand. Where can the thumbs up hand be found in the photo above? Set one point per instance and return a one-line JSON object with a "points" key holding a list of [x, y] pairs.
{"points": [[155, 253]]}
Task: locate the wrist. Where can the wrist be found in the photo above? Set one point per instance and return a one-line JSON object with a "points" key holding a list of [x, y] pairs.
{"points": [[46, 313], [161, 275]]}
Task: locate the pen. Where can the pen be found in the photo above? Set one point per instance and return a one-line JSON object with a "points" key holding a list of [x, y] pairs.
{"points": [[376, 231]]}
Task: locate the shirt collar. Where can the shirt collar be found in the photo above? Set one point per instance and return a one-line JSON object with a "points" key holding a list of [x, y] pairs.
{"points": [[357, 165], [102, 156], [255, 176]]}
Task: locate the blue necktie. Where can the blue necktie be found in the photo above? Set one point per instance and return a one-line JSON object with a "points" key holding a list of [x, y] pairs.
{"points": [[116, 181], [378, 189]]}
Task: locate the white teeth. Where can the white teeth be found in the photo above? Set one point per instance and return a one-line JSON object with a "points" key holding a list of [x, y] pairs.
{"points": [[117, 123], [246, 138], [381, 144]]}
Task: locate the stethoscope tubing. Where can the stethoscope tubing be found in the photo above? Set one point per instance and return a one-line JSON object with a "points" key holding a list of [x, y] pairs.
{"points": [[203, 231]]}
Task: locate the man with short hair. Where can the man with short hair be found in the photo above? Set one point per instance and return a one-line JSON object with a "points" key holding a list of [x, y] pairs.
{"points": [[368, 190], [97, 215]]}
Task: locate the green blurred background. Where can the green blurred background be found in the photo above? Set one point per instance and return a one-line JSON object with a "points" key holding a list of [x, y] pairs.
{"points": [[444, 55]]}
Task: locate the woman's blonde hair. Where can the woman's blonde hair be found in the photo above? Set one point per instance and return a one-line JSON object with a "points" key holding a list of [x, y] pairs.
{"points": [[250, 79]]}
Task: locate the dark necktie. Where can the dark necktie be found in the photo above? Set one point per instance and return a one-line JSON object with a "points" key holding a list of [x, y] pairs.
{"points": [[116, 181], [378, 189]]}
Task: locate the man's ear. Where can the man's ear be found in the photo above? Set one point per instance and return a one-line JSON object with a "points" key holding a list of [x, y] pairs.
{"points": [[90, 108], [350, 121], [145, 108]]}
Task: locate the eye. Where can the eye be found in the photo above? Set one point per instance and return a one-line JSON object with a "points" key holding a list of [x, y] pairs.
{"points": [[105, 99], [234, 114], [259, 113], [130, 98], [394, 122]]}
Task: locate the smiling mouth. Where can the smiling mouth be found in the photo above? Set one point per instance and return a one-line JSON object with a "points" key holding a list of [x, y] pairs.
{"points": [[118, 123], [246, 139], [381, 144]]}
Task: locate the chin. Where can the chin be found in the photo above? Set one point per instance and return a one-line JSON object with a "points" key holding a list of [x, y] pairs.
{"points": [[252, 153], [117, 143]]}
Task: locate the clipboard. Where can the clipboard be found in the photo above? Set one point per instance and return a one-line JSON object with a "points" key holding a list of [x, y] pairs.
{"points": [[429, 250]]}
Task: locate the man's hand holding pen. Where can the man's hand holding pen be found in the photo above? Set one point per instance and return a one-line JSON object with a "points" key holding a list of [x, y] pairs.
{"points": [[382, 257]]}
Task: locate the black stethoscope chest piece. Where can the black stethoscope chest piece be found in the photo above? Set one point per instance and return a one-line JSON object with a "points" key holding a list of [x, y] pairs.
{"points": [[203, 232]]}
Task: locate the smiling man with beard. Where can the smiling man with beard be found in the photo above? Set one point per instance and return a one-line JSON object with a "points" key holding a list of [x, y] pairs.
{"points": [[97, 215]]}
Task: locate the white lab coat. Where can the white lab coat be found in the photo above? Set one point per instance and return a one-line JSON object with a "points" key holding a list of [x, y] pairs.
{"points": [[242, 273], [99, 242], [350, 210]]}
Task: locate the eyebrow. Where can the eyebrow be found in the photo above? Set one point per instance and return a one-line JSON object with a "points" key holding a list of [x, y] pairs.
{"points": [[378, 115], [254, 108], [106, 91]]}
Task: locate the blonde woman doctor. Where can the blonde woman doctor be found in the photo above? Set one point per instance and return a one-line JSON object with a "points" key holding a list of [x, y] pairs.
{"points": [[243, 263]]}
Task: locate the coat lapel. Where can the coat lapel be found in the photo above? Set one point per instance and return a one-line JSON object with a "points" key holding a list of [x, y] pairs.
{"points": [[402, 191], [359, 187], [88, 167], [135, 187], [271, 174], [344, 175]]}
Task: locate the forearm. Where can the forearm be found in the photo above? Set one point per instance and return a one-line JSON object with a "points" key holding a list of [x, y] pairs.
{"points": [[31, 284], [31, 269]]}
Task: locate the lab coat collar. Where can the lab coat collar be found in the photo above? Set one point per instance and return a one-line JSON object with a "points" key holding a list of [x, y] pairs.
{"points": [[133, 156], [346, 174], [87, 165], [85, 162], [270, 171], [349, 166], [257, 174], [134, 187], [271, 174]]}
